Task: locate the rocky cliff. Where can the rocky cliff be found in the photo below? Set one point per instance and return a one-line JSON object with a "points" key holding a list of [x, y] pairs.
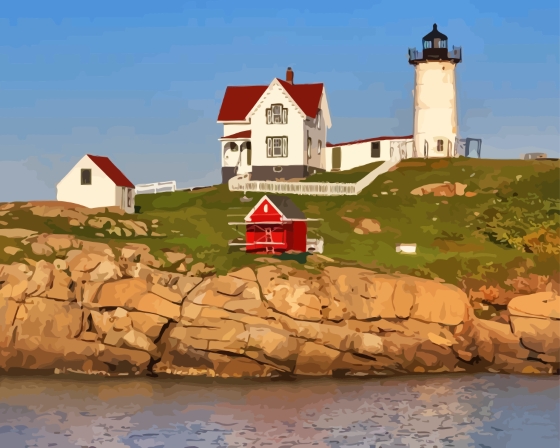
{"points": [[96, 312]]}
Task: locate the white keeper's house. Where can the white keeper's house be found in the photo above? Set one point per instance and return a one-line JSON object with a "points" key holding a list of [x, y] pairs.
{"points": [[275, 131], [94, 182]]}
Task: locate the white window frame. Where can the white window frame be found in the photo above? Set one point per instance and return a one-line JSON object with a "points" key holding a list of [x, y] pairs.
{"points": [[319, 119], [319, 145], [277, 114], [277, 147]]}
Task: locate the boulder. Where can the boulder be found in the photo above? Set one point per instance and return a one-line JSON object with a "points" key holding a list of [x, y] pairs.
{"points": [[201, 270], [40, 317], [440, 303], [41, 279], [130, 338], [139, 253], [315, 359], [98, 222], [166, 293], [14, 280], [118, 293], [539, 335], [440, 189], [147, 323], [292, 296], [174, 257], [366, 226], [41, 249], [59, 242], [98, 267], [246, 274], [62, 287], [11, 250], [138, 227], [543, 305], [17, 233]]}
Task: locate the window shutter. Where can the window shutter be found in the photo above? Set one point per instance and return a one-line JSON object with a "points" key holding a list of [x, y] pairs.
{"points": [[285, 147], [285, 116], [269, 145], [268, 116]]}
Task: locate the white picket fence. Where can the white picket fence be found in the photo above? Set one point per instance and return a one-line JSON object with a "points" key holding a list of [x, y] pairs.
{"points": [[156, 187], [305, 188], [314, 188]]}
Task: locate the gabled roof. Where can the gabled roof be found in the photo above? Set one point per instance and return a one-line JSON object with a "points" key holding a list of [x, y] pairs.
{"points": [[112, 172], [242, 134], [283, 204], [306, 96], [239, 101], [374, 139]]}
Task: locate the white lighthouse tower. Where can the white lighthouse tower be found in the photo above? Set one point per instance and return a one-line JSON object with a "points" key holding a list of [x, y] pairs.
{"points": [[435, 104]]}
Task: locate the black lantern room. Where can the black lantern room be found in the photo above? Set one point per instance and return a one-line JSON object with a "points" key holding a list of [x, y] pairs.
{"points": [[435, 48], [434, 39]]}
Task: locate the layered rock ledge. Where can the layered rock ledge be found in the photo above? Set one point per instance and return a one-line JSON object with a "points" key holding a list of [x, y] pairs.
{"points": [[96, 313]]}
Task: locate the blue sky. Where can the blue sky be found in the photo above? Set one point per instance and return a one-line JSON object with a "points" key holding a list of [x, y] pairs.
{"points": [[142, 81]]}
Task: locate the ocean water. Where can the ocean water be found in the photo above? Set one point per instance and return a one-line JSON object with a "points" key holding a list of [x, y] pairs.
{"points": [[420, 411]]}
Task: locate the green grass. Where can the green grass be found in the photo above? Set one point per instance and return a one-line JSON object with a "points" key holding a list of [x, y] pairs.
{"points": [[510, 227], [349, 176]]}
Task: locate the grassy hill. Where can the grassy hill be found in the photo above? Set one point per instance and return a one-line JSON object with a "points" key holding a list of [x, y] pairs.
{"points": [[507, 223]]}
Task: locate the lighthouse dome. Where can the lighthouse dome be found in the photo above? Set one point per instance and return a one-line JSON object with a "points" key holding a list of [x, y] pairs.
{"points": [[434, 39]]}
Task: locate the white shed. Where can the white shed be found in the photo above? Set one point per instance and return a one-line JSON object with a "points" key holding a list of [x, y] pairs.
{"points": [[94, 182]]}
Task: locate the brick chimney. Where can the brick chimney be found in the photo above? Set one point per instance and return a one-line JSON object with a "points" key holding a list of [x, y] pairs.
{"points": [[290, 75]]}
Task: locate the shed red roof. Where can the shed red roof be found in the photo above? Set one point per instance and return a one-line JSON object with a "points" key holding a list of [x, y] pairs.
{"points": [[238, 101], [109, 168], [242, 134], [374, 139]]}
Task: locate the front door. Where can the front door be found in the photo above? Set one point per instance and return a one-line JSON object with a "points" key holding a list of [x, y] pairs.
{"points": [[336, 158]]}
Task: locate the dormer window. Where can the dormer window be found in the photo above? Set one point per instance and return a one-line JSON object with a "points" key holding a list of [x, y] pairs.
{"points": [[277, 114]]}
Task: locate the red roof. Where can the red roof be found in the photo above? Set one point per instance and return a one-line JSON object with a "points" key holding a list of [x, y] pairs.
{"points": [[238, 101], [109, 168], [307, 96], [242, 134], [374, 139]]}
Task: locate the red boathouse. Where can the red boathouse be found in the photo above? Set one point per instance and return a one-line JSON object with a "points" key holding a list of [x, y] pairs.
{"points": [[275, 225]]}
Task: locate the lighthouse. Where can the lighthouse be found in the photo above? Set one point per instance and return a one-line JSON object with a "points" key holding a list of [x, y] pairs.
{"points": [[435, 100]]}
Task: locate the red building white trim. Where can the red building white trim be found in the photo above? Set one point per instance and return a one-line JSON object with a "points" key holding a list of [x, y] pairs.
{"points": [[274, 225]]}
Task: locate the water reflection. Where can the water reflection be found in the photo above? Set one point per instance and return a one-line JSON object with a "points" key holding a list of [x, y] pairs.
{"points": [[454, 411]]}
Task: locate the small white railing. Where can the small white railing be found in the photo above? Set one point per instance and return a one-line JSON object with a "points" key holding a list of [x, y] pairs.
{"points": [[156, 187]]}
